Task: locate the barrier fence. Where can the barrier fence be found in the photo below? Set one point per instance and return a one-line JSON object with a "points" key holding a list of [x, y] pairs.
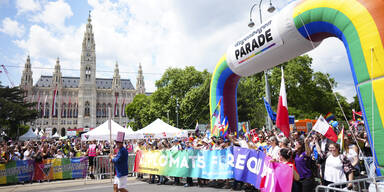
{"points": [[102, 166], [366, 184]]}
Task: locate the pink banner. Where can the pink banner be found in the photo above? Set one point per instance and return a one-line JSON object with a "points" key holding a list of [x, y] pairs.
{"points": [[277, 177]]}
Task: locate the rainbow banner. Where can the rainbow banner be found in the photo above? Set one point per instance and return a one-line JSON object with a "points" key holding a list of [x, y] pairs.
{"points": [[65, 168], [243, 164], [16, 171], [49, 169]]}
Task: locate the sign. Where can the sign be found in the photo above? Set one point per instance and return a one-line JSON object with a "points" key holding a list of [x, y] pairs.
{"points": [[243, 164], [49, 169], [120, 136], [259, 41]]}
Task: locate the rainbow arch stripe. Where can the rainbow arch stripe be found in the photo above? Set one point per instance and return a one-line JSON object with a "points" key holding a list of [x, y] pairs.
{"points": [[359, 24]]}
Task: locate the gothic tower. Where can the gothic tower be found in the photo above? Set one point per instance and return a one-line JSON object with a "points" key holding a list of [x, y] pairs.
{"points": [[26, 82], [116, 87], [140, 87], [87, 85]]}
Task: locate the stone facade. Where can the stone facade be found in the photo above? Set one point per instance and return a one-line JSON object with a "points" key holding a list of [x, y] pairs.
{"points": [[80, 103]]}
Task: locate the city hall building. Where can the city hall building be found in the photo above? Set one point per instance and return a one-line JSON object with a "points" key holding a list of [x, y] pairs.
{"points": [[67, 105]]}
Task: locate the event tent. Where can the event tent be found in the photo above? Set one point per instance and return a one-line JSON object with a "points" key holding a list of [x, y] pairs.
{"points": [[29, 135], [102, 132], [56, 135], [160, 129]]}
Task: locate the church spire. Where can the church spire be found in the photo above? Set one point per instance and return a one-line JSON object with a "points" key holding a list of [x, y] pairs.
{"points": [[116, 78], [26, 82], [56, 78], [140, 87]]}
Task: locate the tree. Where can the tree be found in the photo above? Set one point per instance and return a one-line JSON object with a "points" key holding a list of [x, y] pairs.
{"points": [[183, 90], [309, 93], [134, 110], [14, 111]]}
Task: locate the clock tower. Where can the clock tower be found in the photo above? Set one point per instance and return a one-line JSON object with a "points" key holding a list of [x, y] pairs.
{"points": [[87, 84]]}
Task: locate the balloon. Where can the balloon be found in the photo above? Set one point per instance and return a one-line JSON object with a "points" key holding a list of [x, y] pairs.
{"points": [[334, 124]]}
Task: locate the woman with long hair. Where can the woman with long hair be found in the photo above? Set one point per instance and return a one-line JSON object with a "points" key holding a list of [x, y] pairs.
{"points": [[352, 153]]}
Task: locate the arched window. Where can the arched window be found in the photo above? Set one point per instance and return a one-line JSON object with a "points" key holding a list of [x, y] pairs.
{"points": [[54, 131], [86, 109], [98, 110], [41, 110], [46, 113], [123, 110], [104, 110], [116, 110], [87, 72], [70, 110], [75, 110], [55, 112], [64, 110], [63, 132]]}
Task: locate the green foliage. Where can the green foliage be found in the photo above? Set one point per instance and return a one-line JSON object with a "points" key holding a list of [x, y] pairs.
{"points": [[183, 90], [14, 111], [309, 94]]}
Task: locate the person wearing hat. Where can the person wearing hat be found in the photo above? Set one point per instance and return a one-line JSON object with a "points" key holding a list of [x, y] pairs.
{"points": [[121, 166]]}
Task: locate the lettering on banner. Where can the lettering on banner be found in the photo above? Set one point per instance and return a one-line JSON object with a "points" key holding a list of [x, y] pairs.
{"points": [[255, 43]]}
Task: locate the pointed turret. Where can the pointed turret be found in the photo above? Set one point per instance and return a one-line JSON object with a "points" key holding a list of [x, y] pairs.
{"points": [[116, 78], [26, 82], [56, 77], [140, 87]]}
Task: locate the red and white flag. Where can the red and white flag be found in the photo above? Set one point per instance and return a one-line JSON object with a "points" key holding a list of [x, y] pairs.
{"points": [[54, 102], [282, 119], [123, 108], [325, 129], [44, 106]]}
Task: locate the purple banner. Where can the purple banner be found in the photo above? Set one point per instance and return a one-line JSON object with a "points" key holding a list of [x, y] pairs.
{"points": [[248, 165]]}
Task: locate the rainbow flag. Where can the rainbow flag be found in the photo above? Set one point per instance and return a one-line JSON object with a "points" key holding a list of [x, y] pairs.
{"points": [[329, 116], [217, 111], [340, 140], [226, 126], [216, 128]]}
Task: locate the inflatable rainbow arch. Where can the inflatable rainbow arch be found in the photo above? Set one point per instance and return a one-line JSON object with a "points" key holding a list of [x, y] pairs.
{"points": [[299, 28]]}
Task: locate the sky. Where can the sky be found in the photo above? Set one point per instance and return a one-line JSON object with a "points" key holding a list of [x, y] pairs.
{"points": [[157, 34]]}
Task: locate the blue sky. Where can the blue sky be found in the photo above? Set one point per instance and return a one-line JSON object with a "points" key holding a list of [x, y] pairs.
{"points": [[157, 34]]}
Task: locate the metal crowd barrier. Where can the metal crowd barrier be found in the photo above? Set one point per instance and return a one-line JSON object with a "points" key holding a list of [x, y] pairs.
{"points": [[372, 184], [102, 166]]}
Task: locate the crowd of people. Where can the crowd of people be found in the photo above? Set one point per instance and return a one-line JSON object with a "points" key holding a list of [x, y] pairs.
{"points": [[314, 158]]}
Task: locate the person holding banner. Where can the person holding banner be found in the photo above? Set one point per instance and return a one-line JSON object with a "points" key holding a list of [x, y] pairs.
{"points": [[121, 165], [285, 156]]}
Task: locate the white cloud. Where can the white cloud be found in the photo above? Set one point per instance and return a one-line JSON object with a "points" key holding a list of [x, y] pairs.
{"points": [[54, 15], [24, 6], [12, 28], [157, 34], [331, 57]]}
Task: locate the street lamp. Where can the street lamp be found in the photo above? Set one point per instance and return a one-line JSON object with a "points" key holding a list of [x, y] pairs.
{"points": [[270, 9]]}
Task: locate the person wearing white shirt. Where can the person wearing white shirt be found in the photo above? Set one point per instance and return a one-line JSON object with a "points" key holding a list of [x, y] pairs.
{"points": [[273, 151]]}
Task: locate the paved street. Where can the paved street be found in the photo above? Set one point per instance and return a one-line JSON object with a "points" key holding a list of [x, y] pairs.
{"points": [[102, 186]]}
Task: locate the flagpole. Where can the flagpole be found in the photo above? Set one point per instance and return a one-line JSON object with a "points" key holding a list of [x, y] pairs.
{"points": [[110, 140]]}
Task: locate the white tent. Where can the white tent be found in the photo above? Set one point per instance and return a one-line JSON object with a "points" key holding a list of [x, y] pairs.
{"points": [[102, 132], [56, 135], [160, 129], [29, 135]]}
